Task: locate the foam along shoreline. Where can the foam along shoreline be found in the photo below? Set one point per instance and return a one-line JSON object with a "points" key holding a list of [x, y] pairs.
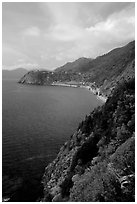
{"points": [[62, 84], [5, 199], [100, 97], [94, 91]]}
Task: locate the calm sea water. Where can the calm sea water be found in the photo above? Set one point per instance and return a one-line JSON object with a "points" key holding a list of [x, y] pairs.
{"points": [[36, 121]]}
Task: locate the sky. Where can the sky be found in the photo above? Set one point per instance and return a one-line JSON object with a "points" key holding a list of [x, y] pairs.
{"points": [[48, 35]]}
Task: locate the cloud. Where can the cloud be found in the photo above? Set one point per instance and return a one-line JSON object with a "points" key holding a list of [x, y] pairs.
{"points": [[32, 31], [51, 34], [66, 33], [119, 27], [10, 54], [59, 56], [13, 58], [117, 30], [69, 41], [113, 29], [21, 65]]}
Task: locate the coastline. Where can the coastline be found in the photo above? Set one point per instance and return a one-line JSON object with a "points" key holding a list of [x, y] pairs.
{"points": [[94, 91], [63, 84], [71, 172], [100, 97]]}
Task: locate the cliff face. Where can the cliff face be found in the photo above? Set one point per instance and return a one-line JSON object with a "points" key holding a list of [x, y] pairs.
{"points": [[97, 163]]}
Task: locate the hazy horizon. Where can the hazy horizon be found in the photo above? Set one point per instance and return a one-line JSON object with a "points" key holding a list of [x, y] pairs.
{"points": [[48, 35]]}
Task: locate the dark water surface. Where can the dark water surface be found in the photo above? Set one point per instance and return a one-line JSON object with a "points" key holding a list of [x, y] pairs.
{"points": [[36, 121]]}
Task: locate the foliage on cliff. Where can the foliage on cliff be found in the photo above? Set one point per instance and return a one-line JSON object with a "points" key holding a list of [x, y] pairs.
{"points": [[113, 125], [97, 163]]}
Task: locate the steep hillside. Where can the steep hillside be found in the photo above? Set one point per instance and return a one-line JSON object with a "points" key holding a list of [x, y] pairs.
{"points": [[109, 85], [107, 67], [98, 161], [113, 64], [75, 66], [105, 71]]}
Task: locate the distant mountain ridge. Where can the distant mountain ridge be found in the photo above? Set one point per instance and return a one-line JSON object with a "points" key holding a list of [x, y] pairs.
{"points": [[110, 64], [105, 71], [13, 74], [75, 66]]}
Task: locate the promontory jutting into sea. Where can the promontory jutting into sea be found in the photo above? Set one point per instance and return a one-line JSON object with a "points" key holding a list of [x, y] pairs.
{"points": [[68, 102]]}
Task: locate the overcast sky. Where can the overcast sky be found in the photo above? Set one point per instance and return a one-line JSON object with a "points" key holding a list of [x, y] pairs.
{"points": [[47, 35]]}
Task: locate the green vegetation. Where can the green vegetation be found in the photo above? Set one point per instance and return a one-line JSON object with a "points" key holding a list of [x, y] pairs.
{"points": [[98, 161], [113, 127]]}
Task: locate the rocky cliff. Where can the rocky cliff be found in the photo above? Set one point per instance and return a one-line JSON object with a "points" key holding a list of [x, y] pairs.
{"points": [[97, 162]]}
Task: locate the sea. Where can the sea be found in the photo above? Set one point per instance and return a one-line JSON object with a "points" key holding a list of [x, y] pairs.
{"points": [[36, 121]]}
